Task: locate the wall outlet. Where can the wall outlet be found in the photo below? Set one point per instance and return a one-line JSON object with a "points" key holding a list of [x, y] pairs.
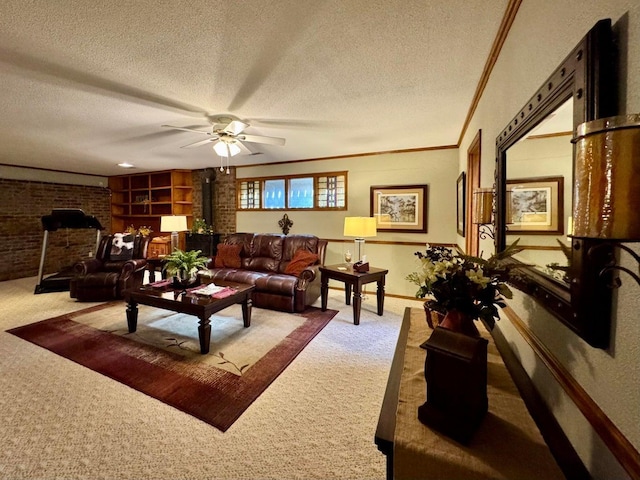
{"points": [[90, 253]]}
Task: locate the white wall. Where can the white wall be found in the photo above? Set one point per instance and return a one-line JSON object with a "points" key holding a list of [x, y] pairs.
{"points": [[543, 33], [51, 176], [436, 168]]}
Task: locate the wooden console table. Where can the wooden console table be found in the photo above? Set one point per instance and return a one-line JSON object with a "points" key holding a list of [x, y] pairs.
{"points": [[507, 445]]}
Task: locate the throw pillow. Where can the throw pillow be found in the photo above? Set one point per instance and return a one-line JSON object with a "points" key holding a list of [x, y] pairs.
{"points": [[228, 256], [121, 247], [301, 260]]}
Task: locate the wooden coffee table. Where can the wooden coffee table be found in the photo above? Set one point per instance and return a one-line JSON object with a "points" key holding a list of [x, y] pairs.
{"points": [[190, 303]]}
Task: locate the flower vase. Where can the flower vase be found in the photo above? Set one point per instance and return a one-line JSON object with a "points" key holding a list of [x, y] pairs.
{"points": [[434, 318], [460, 322]]}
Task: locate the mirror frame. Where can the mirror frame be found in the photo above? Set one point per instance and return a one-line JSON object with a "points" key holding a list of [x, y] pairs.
{"points": [[587, 75]]}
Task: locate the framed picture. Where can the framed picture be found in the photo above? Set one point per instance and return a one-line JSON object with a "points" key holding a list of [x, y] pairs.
{"points": [[400, 208], [460, 203], [535, 205]]}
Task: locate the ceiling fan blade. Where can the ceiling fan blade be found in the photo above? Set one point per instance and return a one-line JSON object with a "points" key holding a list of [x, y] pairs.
{"points": [[235, 127], [186, 129], [247, 149], [200, 143], [261, 139]]}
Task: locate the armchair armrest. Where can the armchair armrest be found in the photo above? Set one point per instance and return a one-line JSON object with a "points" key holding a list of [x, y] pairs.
{"points": [[138, 263], [131, 266], [87, 266]]}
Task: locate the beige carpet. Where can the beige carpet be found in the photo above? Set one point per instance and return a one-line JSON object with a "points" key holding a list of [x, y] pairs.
{"points": [[61, 420], [162, 358]]}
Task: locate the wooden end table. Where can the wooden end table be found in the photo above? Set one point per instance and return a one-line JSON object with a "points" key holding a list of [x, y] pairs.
{"points": [[156, 264], [344, 273]]}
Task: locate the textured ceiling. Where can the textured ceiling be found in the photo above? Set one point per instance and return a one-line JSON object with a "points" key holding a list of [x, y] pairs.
{"points": [[87, 85]]}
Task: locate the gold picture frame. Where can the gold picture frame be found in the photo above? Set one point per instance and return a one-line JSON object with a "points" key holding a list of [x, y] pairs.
{"points": [[400, 208], [535, 205]]}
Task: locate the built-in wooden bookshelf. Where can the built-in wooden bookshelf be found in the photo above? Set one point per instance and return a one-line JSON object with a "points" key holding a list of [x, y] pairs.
{"points": [[141, 199]]}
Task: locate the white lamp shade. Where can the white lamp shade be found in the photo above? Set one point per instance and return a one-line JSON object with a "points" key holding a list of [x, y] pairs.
{"points": [[360, 227], [173, 223], [221, 149]]}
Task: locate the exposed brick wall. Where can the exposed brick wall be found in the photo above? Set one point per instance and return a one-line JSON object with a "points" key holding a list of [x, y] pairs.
{"points": [[224, 199], [23, 203], [196, 177]]}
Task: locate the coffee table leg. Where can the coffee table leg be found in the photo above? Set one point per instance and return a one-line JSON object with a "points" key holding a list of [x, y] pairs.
{"points": [[132, 316], [204, 333], [246, 312], [357, 303], [347, 293]]}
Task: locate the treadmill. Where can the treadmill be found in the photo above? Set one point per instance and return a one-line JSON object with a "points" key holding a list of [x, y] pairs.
{"points": [[62, 218]]}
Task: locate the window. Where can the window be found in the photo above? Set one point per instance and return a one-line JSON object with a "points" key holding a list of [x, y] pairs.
{"points": [[273, 194], [249, 194], [301, 192], [319, 191]]}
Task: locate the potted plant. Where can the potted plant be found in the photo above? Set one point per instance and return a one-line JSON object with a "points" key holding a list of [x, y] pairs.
{"points": [[184, 266], [200, 226], [464, 288], [202, 237]]}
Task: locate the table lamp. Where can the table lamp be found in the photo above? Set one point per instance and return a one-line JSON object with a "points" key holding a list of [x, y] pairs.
{"points": [[173, 224], [359, 227]]}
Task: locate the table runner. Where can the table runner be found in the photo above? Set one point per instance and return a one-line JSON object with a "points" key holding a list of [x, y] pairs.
{"points": [[507, 445]]}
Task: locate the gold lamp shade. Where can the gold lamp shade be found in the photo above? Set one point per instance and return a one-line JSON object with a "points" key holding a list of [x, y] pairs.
{"points": [[607, 179], [483, 205], [360, 227]]}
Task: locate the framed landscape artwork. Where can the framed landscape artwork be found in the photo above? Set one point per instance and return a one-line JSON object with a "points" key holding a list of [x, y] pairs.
{"points": [[401, 208], [535, 205], [460, 204]]}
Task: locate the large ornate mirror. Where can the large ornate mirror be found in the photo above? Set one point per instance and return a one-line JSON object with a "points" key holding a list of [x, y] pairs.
{"points": [[534, 184]]}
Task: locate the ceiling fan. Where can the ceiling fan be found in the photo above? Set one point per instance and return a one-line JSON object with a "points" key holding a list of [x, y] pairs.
{"points": [[227, 137]]}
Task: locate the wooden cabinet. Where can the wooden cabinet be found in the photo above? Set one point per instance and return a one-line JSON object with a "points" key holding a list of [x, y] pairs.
{"points": [[141, 199], [159, 247]]}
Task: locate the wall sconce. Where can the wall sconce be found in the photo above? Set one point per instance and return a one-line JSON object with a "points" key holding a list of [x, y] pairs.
{"points": [[607, 192], [483, 212], [360, 227], [173, 224]]}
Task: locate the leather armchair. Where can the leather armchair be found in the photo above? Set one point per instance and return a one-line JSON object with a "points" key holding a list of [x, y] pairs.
{"points": [[100, 278]]}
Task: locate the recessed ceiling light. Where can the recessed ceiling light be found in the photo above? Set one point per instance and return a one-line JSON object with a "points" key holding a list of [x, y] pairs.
{"points": [[125, 165]]}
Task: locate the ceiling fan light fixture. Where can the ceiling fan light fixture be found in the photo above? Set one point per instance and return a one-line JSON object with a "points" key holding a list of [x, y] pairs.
{"points": [[225, 149]]}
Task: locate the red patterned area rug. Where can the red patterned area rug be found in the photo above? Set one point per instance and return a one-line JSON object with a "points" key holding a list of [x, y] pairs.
{"points": [[165, 363]]}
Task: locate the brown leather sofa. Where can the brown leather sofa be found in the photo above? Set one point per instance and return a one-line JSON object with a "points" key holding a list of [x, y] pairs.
{"points": [[264, 261], [102, 278]]}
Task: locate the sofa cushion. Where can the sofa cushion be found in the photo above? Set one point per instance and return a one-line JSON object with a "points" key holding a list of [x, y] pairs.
{"points": [[301, 260], [293, 243], [228, 256], [266, 252], [235, 275], [277, 283]]}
